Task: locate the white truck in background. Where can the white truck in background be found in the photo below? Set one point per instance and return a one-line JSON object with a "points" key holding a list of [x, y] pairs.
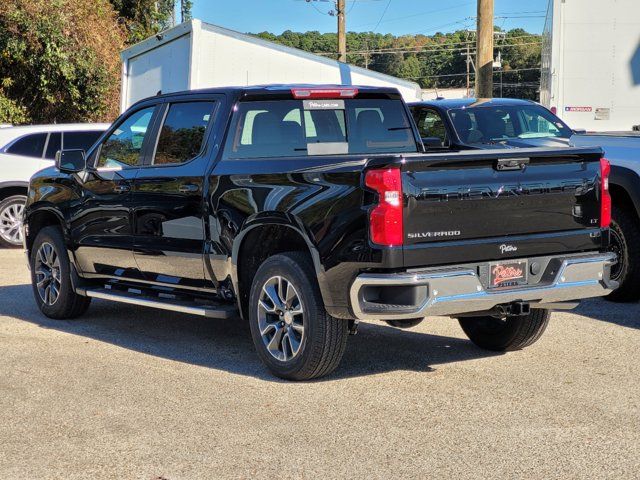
{"points": [[590, 78], [591, 63], [195, 55]]}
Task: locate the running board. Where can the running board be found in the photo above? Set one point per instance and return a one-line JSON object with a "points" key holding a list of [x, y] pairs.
{"points": [[219, 310]]}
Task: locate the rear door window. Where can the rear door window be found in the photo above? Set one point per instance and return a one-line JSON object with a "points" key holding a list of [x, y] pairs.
{"points": [[182, 133], [431, 125], [290, 128], [29, 145]]}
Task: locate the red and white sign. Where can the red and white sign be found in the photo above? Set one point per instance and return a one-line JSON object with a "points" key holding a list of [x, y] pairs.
{"points": [[578, 109]]}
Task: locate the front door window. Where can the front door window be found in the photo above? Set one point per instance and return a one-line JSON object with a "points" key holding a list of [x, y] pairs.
{"points": [[123, 148]]}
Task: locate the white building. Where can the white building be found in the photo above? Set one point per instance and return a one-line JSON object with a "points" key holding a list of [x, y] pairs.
{"points": [[591, 63], [196, 55]]}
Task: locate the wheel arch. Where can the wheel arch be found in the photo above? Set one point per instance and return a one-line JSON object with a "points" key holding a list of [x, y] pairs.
{"points": [[8, 189], [624, 185], [39, 218], [266, 237]]}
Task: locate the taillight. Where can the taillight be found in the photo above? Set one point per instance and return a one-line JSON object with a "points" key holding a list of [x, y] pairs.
{"points": [[605, 197], [306, 93], [385, 220]]}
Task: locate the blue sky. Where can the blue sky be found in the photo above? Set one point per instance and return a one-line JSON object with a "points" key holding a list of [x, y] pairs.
{"points": [[400, 17]]}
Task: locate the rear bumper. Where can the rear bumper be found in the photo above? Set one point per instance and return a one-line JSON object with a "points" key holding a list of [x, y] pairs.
{"points": [[452, 291]]}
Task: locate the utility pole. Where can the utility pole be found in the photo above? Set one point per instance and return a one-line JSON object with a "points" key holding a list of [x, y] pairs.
{"points": [[468, 61], [484, 60], [366, 55], [342, 30]]}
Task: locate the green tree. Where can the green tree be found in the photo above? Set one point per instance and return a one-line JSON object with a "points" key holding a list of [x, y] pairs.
{"points": [[432, 61], [11, 112], [53, 65], [145, 18], [185, 8]]}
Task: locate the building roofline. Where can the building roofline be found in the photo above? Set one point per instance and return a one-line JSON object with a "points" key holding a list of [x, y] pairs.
{"points": [[187, 27]]}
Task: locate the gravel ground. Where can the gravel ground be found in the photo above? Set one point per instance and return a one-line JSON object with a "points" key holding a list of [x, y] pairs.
{"points": [[126, 392]]}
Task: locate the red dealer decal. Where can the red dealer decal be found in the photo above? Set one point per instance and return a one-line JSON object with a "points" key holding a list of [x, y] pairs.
{"points": [[507, 273], [577, 109]]}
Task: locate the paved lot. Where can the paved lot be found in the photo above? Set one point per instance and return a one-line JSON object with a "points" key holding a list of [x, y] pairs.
{"points": [[128, 393]]}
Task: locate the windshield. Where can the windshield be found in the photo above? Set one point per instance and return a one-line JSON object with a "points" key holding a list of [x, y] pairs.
{"points": [[491, 124], [287, 128]]}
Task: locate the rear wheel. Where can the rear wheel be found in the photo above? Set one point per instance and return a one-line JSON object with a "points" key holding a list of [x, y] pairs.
{"points": [[11, 209], [51, 277], [506, 334], [293, 334], [625, 243]]}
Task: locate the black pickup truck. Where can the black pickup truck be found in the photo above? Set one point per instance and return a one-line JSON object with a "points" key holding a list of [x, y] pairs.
{"points": [[305, 209]]}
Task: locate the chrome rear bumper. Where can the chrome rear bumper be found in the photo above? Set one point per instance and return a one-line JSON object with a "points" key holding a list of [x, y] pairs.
{"points": [[453, 291]]}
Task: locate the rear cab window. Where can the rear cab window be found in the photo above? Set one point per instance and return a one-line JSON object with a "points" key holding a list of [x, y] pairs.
{"points": [[293, 128]]}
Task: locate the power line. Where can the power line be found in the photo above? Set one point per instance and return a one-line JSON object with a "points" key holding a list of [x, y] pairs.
{"points": [[383, 14], [423, 50], [522, 13], [416, 14], [515, 70], [317, 9], [435, 29]]}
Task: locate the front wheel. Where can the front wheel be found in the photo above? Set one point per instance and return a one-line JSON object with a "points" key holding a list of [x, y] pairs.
{"points": [[506, 334], [51, 277], [293, 334]]}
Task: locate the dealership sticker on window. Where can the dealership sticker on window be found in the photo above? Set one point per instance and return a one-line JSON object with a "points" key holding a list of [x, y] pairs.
{"points": [[323, 104], [578, 109]]}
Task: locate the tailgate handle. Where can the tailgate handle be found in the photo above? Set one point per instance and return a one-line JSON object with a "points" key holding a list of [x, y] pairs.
{"points": [[511, 163]]}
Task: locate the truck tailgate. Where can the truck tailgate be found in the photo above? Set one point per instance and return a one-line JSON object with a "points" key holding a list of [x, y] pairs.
{"points": [[474, 198]]}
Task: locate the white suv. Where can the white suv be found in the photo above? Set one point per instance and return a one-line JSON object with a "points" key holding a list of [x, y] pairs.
{"points": [[24, 151]]}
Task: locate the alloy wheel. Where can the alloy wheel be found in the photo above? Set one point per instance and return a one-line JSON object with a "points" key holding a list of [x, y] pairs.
{"points": [[11, 223], [281, 318], [47, 272]]}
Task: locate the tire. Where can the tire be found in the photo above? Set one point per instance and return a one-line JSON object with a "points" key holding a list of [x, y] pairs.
{"points": [[51, 267], [503, 335], [320, 339], [11, 209], [625, 242]]}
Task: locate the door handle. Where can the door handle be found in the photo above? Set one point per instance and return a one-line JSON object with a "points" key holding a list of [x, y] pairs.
{"points": [[188, 188], [122, 188]]}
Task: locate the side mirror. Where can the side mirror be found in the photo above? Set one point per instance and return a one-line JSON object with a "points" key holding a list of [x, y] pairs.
{"points": [[70, 161], [579, 131], [432, 142]]}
